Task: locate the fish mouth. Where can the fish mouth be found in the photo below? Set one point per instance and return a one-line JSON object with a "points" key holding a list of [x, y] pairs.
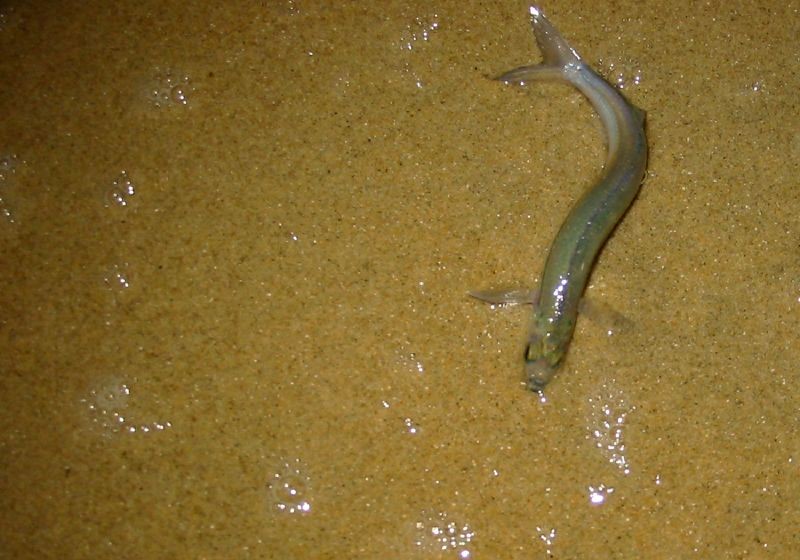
{"points": [[539, 373]]}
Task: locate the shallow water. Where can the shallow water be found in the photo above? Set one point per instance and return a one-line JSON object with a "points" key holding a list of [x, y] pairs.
{"points": [[235, 248]]}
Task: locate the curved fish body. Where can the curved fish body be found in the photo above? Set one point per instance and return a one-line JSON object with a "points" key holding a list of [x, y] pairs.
{"points": [[593, 217]]}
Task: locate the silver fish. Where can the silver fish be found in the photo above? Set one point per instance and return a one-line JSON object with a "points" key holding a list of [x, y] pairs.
{"points": [[593, 217]]}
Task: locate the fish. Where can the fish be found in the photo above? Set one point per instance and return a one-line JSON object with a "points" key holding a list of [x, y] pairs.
{"points": [[591, 220]]}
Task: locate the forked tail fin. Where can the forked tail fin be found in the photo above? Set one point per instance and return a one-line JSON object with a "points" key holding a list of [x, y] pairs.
{"points": [[557, 54], [555, 49]]}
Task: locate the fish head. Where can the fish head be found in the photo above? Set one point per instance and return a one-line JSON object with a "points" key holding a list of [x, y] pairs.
{"points": [[543, 357], [538, 374]]}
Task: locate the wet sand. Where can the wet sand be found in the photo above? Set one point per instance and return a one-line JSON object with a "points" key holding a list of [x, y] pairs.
{"points": [[235, 248]]}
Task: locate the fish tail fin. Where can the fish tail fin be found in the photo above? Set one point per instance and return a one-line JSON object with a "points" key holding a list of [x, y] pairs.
{"points": [[557, 54], [555, 49]]}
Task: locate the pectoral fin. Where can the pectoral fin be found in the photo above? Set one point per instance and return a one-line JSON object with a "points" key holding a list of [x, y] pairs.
{"points": [[605, 316], [506, 297]]}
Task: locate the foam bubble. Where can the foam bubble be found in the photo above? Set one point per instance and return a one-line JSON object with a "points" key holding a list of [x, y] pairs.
{"points": [[624, 74], [120, 191], [289, 488], [111, 409]]}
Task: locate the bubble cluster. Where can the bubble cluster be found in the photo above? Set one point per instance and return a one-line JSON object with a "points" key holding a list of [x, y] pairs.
{"points": [[624, 75], [420, 30], [110, 409], [411, 426], [8, 169], [435, 532], [289, 488], [599, 494], [410, 361], [117, 277], [6, 15], [169, 88], [120, 192], [547, 537], [606, 424]]}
